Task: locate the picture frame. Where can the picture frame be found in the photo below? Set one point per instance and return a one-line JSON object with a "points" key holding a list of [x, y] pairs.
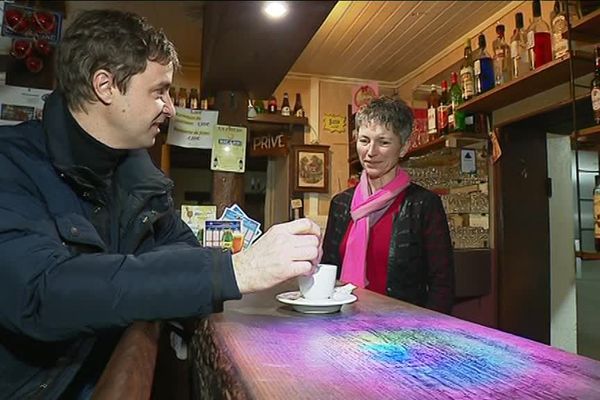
{"points": [[310, 168]]}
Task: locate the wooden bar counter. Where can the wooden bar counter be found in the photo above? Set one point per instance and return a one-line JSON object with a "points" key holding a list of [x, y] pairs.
{"points": [[375, 348]]}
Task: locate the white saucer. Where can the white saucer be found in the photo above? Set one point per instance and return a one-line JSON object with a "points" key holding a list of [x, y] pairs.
{"points": [[324, 306]]}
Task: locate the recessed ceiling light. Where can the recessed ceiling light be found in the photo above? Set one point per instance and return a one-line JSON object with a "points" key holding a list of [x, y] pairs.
{"points": [[275, 9]]}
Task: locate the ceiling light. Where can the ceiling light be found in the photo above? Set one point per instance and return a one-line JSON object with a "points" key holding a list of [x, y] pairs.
{"points": [[275, 9]]}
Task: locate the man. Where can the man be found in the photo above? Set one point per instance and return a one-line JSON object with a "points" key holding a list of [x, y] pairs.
{"points": [[89, 240]]}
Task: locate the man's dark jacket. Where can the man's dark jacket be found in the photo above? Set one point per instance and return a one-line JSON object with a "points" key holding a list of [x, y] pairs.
{"points": [[420, 263], [61, 285]]}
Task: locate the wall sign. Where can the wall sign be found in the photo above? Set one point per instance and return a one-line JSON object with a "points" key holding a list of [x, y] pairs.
{"points": [[268, 145], [334, 123]]}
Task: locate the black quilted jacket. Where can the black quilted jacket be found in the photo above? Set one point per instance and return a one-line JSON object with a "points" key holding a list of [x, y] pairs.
{"points": [[420, 264]]}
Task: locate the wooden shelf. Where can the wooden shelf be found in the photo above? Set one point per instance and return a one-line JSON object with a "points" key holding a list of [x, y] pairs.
{"points": [[279, 119], [584, 255], [451, 140], [586, 139], [586, 29], [546, 77]]}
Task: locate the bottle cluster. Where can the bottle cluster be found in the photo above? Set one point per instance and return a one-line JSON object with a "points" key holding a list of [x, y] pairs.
{"points": [[258, 106]]}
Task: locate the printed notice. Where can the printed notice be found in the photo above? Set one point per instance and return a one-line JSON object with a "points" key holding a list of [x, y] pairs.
{"points": [[228, 149], [192, 128]]}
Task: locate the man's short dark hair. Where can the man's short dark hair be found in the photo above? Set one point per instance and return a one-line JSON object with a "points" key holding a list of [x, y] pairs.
{"points": [[120, 42]]}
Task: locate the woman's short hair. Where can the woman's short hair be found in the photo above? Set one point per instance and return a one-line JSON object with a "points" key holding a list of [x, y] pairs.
{"points": [[120, 42], [391, 113]]}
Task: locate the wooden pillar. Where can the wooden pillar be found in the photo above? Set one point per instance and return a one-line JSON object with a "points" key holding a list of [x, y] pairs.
{"points": [[228, 187]]}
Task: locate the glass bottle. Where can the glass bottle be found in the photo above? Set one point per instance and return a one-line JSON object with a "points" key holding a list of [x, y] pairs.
{"points": [[456, 119], [182, 98], [298, 109], [442, 111], [539, 41], [597, 213], [432, 104], [560, 45], [502, 67], [483, 68], [595, 88], [272, 105], [193, 100], [259, 106], [518, 49], [251, 110], [286, 110], [466, 73]]}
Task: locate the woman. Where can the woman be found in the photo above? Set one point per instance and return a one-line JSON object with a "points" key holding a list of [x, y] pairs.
{"points": [[388, 234]]}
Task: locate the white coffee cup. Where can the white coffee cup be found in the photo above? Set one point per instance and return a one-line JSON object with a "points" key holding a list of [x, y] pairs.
{"points": [[320, 285]]}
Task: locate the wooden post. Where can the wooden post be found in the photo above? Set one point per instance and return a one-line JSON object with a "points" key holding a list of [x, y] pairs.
{"points": [[228, 187]]}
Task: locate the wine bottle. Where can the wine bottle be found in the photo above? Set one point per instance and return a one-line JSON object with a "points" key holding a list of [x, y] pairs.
{"points": [[595, 88], [298, 109], [286, 110], [539, 41]]}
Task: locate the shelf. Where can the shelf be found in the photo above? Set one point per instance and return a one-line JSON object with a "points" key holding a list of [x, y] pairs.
{"points": [[587, 29], [279, 119], [546, 77], [450, 140], [586, 139], [584, 255]]}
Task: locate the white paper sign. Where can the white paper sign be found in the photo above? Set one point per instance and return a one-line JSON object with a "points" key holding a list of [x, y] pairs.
{"points": [[18, 104], [192, 128], [468, 159]]}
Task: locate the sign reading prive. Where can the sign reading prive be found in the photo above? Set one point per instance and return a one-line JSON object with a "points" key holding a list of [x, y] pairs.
{"points": [[269, 145]]}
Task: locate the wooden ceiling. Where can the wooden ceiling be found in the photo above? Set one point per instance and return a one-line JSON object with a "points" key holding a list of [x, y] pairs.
{"points": [[368, 40], [386, 40]]}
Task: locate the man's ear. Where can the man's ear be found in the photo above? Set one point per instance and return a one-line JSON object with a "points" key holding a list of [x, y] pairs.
{"points": [[103, 85]]}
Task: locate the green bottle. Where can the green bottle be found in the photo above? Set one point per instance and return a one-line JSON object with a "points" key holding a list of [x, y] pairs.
{"points": [[227, 239], [456, 119]]}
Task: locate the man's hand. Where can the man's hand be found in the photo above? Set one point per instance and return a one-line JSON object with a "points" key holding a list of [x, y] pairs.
{"points": [[285, 251]]}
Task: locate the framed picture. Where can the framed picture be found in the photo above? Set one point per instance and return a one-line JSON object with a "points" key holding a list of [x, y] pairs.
{"points": [[310, 165]]}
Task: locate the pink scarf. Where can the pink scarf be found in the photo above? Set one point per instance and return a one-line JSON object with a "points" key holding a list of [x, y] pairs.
{"points": [[366, 210]]}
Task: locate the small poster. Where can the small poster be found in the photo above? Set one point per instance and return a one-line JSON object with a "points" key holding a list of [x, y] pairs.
{"points": [[19, 104], [224, 234], [228, 149], [363, 94], [194, 216], [468, 161], [192, 128]]}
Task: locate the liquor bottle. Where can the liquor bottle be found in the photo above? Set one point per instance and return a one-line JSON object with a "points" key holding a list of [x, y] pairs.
{"points": [[204, 104], [539, 41], [298, 109], [182, 98], [502, 67], [193, 100], [597, 213], [595, 88], [259, 106], [483, 68], [432, 104], [560, 45], [456, 119], [518, 49], [251, 110], [466, 73], [272, 106], [173, 94], [442, 111], [286, 110]]}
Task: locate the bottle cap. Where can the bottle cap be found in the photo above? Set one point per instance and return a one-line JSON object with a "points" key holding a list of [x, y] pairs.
{"points": [[444, 85], [500, 29], [454, 77], [481, 41], [519, 20], [537, 8]]}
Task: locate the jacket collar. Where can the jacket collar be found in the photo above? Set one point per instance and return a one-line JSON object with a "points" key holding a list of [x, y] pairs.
{"points": [[135, 173]]}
